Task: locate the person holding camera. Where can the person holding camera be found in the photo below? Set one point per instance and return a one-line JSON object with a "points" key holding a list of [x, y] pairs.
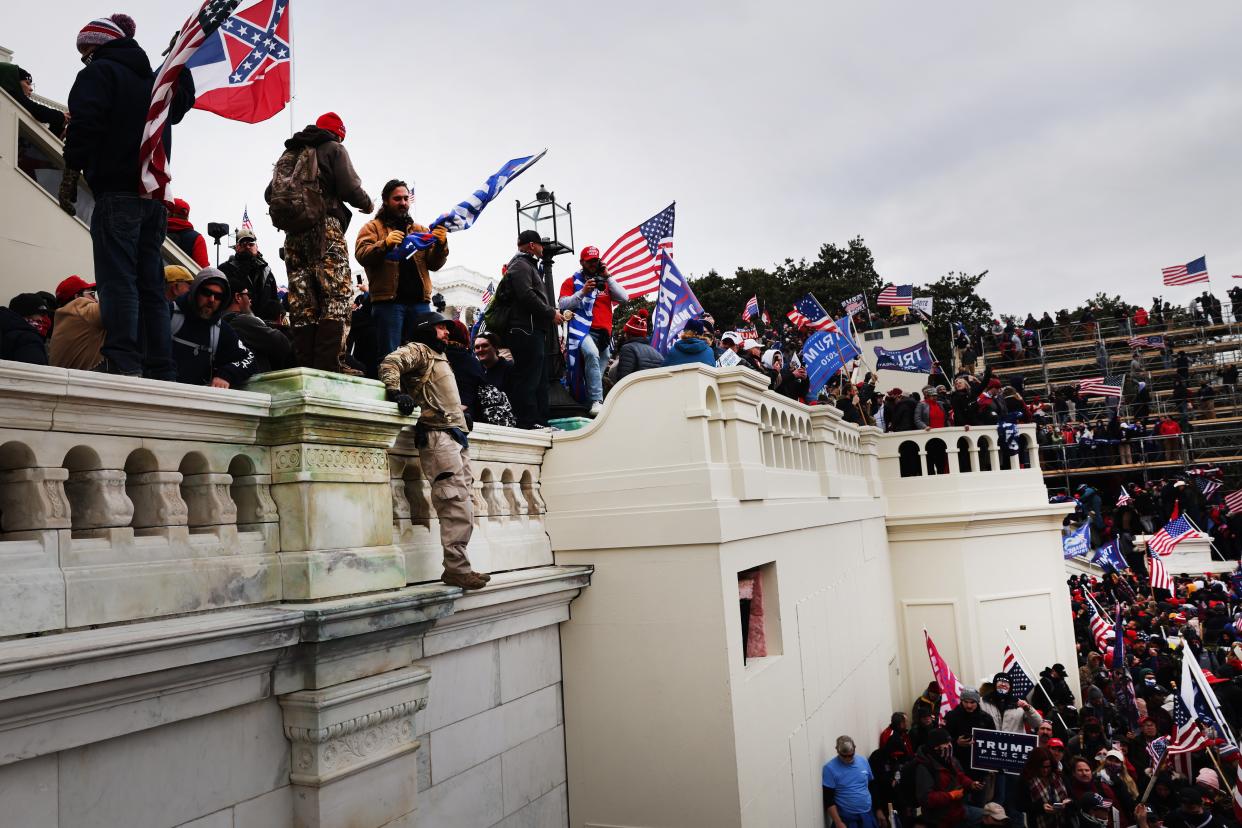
{"points": [[418, 374], [589, 295]]}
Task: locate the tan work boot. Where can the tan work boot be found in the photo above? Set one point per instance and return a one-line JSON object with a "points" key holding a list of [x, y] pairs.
{"points": [[465, 580]]}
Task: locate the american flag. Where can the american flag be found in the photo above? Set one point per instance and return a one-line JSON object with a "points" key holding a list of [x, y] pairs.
{"points": [[752, 308], [1020, 684], [809, 313], [1233, 501], [1124, 498], [1099, 625], [1156, 749], [1109, 386], [950, 687], [1147, 341], [635, 258], [1170, 535], [1208, 486], [246, 225], [1186, 274], [1189, 707], [152, 154], [486, 298], [1159, 575], [1123, 686], [899, 296]]}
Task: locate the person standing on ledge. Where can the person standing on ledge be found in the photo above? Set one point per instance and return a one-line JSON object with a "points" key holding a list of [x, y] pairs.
{"points": [[418, 374]]}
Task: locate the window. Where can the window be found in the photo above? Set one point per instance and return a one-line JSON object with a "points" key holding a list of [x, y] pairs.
{"points": [[893, 333], [870, 335], [759, 608]]}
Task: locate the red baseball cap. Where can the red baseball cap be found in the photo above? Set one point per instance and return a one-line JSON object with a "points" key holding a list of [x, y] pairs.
{"points": [[68, 289], [1054, 742], [588, 253]]}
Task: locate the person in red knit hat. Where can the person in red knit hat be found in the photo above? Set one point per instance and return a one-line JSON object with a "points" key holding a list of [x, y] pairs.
{"points": [[635, 353], [316, 256]]}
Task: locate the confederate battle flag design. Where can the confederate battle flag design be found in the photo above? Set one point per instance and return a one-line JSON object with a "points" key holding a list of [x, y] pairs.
{"points": [[242, 71]]}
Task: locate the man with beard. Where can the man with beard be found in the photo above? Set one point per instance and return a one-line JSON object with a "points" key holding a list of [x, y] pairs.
{"points": [[418, 375], [400, 290], [205, 349], [248, 267]]}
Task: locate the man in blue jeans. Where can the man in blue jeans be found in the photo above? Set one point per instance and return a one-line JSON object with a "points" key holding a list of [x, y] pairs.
{"points": [[590, 294], [847, 793], [109, 102]]}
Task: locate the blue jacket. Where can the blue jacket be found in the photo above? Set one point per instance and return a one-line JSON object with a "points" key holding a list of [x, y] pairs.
{"points": [[109, 102], [686, 351]]}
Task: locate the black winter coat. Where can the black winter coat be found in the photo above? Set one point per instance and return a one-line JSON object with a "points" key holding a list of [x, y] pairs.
{"points": [[962, 407], [108, 104], [256, 275], [636, 355], [532, 307], [272, 350], [468, 372], [902, 415], [19, 341]]}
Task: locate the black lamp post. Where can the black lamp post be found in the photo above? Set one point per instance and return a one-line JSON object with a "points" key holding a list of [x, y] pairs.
{"points": [[554, 222]]}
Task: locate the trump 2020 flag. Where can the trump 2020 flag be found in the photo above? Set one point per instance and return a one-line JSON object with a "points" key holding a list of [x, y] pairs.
{"points": [[916, 359], [1109, 556], [676, 305], [466, 213], [1078, 542], [825, 353], [242, 70], [950, 687]]}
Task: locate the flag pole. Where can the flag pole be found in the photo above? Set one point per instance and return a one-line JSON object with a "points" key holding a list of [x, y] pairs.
{"points": [[292, 77], [1204, 534], [1151, 783], [1021, 657]]}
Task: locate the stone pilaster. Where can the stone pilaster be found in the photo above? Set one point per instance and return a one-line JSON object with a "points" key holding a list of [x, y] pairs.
{"points": [[329, 436], [353, 747]]}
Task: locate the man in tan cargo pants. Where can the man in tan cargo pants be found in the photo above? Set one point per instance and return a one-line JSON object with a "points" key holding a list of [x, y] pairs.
{"points": [[418, 375]]}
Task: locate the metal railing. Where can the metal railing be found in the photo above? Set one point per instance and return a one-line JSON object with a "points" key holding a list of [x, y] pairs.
{"points": [[1142, 454]]}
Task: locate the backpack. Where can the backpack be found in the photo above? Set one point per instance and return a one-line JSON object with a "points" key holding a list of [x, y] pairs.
{"points": [[496, 317], [296, 202], [175, 323]]}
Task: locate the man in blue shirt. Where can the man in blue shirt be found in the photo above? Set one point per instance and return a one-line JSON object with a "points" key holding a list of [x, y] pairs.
{"points": [[847, 795]]}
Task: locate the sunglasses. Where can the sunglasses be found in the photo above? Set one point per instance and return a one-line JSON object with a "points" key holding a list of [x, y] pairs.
{"points": [[216, 295]]}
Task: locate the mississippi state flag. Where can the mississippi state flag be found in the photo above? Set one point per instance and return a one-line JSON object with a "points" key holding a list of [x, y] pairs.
{"points": [[242, 71]]}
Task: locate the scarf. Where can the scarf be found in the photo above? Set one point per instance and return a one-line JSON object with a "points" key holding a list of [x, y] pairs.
{"points": [[1050, 791]]}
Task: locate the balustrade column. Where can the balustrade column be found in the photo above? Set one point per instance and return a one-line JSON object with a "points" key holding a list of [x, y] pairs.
{"points": [[33, 499], [98, 500], [157, 500]]}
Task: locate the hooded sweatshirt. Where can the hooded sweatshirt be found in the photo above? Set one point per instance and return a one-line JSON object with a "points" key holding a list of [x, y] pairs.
{"points": [[191, 344], [1005, 712], [109, 101], [688, 350]]}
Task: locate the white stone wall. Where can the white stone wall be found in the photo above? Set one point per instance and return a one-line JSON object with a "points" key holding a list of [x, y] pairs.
{"points": [[493, 748]]}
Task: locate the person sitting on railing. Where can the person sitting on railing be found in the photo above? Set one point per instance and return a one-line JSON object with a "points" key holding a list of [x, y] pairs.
{"points": [[18, 82], [418, 375], [205, 349], [78, 333], [20, 339]]}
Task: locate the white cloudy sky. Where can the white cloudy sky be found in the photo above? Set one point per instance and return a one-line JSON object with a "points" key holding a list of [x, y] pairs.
{"points": [[1067, 147]]}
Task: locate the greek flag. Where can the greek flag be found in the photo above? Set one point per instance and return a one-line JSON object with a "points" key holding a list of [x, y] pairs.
{"points": [[579, 329], [466, 213]]}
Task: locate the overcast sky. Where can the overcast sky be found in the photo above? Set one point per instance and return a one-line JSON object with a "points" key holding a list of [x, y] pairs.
{"points": [[1065, 147]]}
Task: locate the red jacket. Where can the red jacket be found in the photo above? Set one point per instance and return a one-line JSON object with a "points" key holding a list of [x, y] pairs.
{"points": [[601, 313], [1167, 427]]}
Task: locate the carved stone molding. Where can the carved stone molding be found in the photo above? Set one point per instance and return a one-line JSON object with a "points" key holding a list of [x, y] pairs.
{"points": [[33, 499], [303, 462], [352, 726]]}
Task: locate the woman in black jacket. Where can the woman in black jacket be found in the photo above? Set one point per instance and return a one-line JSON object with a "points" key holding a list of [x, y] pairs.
{"points": [[962, 403]]}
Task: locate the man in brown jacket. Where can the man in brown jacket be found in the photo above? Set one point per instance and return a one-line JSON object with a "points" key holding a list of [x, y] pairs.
{"points": [[418, 374], [317, 260], [400, 290]]}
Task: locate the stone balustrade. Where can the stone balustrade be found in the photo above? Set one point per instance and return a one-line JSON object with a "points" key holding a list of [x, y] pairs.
{"points": [[125, 499]]}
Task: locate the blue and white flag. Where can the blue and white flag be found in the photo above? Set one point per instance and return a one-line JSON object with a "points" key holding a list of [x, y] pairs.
{"points": [[916, 359], [825, 353], [676, 305], [1109, 556], [579, 329], [1077, 543], [466, 213]]}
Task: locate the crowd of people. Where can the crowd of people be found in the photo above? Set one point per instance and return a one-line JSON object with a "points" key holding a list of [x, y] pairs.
{"points": [[1112, 757]]}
